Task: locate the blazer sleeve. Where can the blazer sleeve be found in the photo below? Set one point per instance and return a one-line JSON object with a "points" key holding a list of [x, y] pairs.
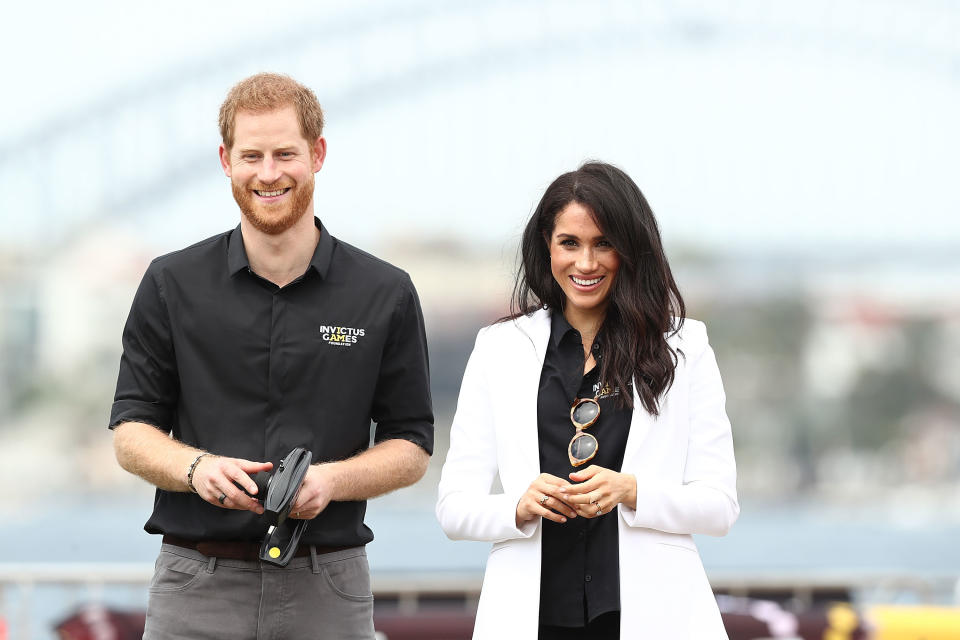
{"points": [[465, 507], [706, 500]]}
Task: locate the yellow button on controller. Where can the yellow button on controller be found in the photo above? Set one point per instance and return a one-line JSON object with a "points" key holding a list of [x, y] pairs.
{"points": [[274, 552]]}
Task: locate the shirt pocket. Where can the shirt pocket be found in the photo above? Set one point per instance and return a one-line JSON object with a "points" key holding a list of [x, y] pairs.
{"points": [[676, 540]]}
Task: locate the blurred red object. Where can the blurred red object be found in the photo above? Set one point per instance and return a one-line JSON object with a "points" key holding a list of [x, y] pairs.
{"points": [[95, 622], [749, 618], [425, 625]]}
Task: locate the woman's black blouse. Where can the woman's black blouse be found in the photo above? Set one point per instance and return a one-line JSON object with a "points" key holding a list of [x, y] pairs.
{"points": [[580, 576]]}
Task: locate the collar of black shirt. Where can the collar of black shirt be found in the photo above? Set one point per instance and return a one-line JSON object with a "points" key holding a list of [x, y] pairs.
{"points": [[320, 262], [559, 328]]}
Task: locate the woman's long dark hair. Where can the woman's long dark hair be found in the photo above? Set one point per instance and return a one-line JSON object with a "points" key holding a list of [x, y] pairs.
{"points": [[645, 303]]}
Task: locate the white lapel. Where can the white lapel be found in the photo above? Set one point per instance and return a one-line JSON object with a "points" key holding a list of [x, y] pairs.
{"points": [[640, 425], [529, 363], [642, 422], [536, 327]]}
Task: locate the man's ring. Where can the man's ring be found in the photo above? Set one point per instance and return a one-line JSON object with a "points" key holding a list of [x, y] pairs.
{"points": [[543, 500], [222, 497]]}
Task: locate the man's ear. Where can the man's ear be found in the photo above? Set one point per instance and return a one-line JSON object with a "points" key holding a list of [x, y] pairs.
{"points": [[225, 160], [318, 153]]}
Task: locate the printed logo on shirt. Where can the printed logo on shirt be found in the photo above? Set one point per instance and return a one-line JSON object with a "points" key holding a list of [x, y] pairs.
{"points": [[602, 390], [341, 336]]}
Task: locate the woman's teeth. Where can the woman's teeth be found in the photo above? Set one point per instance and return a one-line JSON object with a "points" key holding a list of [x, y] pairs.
{"points": [[586, 283]]}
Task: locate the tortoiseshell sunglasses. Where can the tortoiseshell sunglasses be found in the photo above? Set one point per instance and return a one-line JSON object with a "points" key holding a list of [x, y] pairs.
{"points": [[583, 446]]}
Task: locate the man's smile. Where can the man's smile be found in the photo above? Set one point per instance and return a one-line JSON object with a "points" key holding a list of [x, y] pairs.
{"points": [[271, 194]]}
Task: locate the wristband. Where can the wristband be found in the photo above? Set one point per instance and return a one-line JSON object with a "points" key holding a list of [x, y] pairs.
{"points": [[193, 467]]}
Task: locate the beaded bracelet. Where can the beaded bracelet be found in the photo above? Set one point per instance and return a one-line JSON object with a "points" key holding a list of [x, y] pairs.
{"points": [[193, 467]]}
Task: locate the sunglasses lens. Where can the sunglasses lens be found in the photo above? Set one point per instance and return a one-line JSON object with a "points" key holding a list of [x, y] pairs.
{"points": [[585, 413], [583, 447]]}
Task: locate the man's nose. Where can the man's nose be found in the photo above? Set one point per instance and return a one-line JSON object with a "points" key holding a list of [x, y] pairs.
{"points": [[269, 171]]}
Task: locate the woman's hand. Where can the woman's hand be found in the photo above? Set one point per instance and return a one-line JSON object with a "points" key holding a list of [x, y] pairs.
{"points": [[543, 498], [599, 490]]}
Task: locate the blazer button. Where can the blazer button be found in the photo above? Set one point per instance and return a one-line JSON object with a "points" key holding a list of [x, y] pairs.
{"points": [[588, 578]]}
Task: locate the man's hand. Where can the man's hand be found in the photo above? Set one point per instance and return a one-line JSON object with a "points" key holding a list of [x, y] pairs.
{"points": [[385, 466], [214, 477], [599, 491], [315, 494]]}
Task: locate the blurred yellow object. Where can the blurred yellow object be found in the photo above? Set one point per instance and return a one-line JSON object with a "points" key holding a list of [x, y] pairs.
{"points": [[842, 621], [915, 623]]}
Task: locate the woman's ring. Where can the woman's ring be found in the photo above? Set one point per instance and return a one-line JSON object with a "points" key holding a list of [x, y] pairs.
{"points": [[222, 497], [599, 509], [543, 500]]}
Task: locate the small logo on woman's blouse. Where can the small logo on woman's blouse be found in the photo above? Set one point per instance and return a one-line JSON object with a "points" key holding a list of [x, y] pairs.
{"points": [[602, 390]]}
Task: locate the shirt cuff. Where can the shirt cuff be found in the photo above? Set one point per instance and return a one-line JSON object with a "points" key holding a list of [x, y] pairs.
{"points": [[419, 433], [150, 413]]}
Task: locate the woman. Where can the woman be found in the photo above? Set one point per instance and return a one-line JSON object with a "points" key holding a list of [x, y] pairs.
{"points": [[600, 408]]}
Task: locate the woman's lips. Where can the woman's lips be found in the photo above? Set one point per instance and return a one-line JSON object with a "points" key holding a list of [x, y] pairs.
{"points": [[586, 284]]}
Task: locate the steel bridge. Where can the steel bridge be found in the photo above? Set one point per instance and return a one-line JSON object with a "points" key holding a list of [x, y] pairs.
{"points": [[112, 157]]}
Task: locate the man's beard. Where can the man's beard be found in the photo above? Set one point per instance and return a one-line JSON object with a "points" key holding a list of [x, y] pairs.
{"points": [[273, 219]]}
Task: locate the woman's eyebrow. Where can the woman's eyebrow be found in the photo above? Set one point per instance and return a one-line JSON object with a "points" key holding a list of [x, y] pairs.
{"points": [[576, 237]]}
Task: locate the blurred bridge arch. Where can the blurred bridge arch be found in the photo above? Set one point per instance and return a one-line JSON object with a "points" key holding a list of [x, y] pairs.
{"points": [[146, 140]]}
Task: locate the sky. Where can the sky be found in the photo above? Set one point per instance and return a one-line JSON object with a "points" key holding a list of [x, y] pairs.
{"points": [[750, 126]]}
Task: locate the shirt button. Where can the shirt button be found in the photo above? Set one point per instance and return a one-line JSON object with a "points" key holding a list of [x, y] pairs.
{"points": [[580, 535], [588, 578]]}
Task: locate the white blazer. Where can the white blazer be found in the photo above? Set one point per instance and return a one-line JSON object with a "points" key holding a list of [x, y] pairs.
{"points": [[686, 483]]}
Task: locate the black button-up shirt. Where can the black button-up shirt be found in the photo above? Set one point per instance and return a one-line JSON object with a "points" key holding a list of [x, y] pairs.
{"points": [[580, 576], [228, 362]]}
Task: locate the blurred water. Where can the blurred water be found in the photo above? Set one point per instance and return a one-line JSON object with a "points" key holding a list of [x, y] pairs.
{"points": [[785, 536]]}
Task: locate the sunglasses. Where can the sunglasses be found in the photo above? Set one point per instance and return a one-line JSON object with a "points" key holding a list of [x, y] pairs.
{"points": [[583, 446]]}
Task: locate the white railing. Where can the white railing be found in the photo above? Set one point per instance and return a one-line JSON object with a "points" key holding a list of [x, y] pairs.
{"points": [[22, 585]]}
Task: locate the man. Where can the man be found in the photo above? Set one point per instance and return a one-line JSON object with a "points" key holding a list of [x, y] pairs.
{"points": [[248, 344]]}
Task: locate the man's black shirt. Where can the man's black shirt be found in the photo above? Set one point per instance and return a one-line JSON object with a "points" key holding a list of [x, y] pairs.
{"points": [[230, 363], [579, 576]]}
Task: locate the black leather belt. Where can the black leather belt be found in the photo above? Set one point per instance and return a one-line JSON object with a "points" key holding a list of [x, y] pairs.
{"points": [[240, 550]]}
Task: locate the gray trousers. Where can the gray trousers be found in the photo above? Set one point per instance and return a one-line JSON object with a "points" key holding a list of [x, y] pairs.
{"points": [[193, 596]]}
